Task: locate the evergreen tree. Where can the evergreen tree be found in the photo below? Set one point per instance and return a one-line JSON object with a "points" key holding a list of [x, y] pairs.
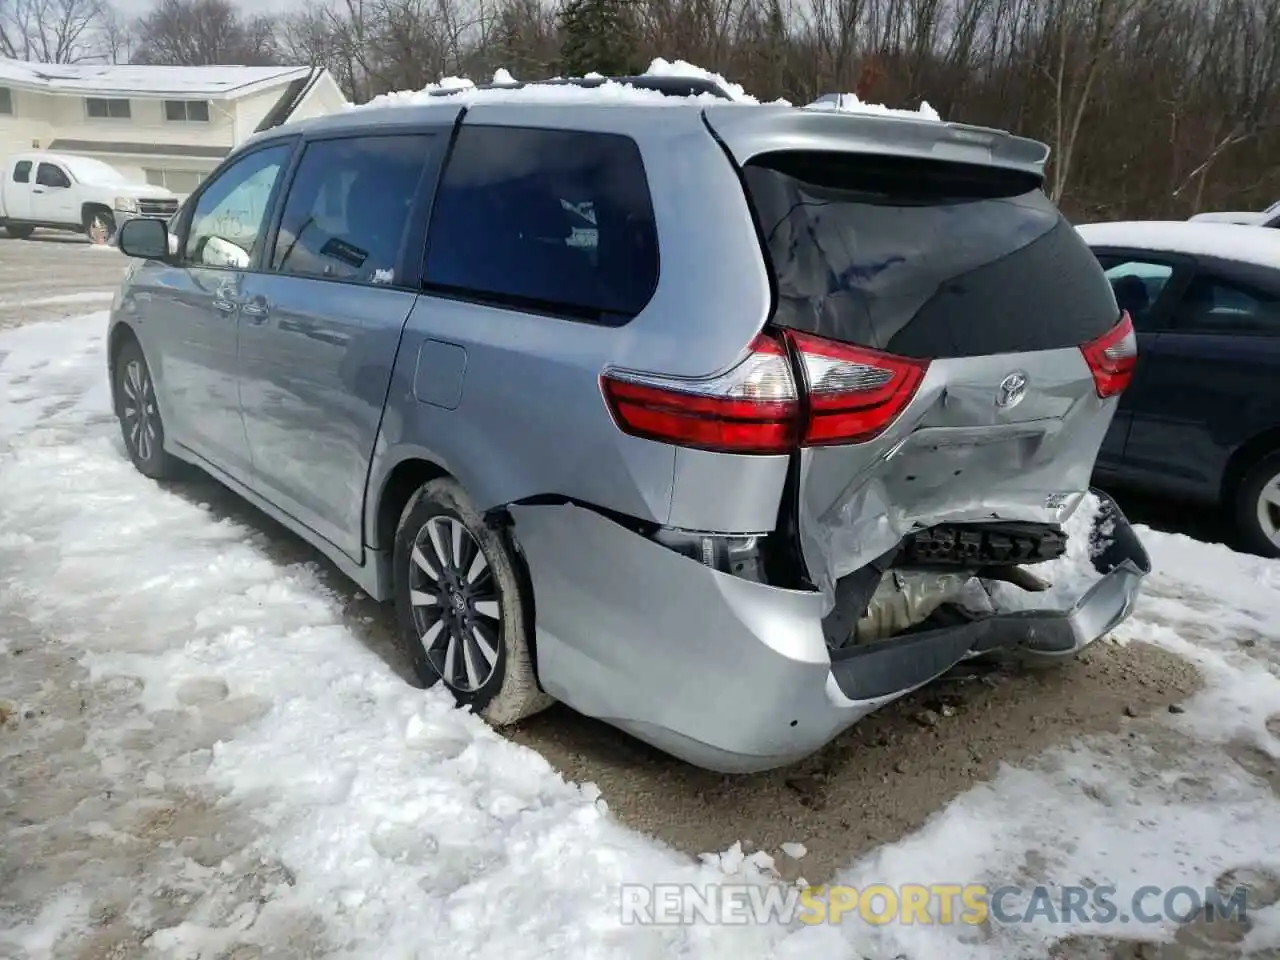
{"points": [[597, 38]]}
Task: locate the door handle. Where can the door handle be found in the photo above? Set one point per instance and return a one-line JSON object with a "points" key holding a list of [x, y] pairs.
{"points": [[257, 307], [37, 191], [224, 304]]}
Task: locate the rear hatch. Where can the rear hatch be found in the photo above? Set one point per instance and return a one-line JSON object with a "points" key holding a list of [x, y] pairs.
{"points": [[933, 298]]}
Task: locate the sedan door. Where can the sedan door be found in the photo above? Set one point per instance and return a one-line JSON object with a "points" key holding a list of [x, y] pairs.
{"points": [[321, 326], [1144, 284], [192, 309], [1211, 380]]}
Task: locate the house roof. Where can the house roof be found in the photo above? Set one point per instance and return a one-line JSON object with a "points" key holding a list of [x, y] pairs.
{"points": [[134, 80]]}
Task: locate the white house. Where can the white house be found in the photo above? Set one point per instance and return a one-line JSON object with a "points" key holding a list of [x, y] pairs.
{"points": [[171, 125]]}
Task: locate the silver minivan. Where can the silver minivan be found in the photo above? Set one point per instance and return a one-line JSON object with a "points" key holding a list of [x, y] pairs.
{"points": [[724, 423]]}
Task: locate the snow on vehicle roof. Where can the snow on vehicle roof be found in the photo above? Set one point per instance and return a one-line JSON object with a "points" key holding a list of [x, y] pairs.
{"points": [[852, 103], [88, 170], [505, 89], [1230, 241]]}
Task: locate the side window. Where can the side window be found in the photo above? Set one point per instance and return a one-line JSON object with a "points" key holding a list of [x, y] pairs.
{"points": [[550, 220], [1213, 305], [229, 216], [47, 175], [1137, 285], [22, 171], [348, 207]]}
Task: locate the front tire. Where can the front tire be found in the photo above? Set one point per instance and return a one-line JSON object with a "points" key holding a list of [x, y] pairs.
{"points": [[99, 226], [1258, 507], [461, 605], [139, 414]]}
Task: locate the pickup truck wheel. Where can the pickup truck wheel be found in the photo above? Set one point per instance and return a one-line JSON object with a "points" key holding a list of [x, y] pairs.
{"points": [[1258, 507], [19, 233], [99, 226], [461, 606], [139, 415]]}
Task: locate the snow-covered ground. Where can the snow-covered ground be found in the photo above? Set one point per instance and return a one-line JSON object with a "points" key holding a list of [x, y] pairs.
{"points": [[200, 757]]}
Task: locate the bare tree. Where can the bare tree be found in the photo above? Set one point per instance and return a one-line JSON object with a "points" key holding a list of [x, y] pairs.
{"points": [[194, 33], [53, 31]]}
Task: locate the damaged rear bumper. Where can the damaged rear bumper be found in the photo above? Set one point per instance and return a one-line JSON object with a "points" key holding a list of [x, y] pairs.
{"points": [[736, 676]]}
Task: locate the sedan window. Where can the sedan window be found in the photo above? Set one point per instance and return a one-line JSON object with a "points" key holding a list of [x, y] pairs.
{"points": [[1137, 285], [1216, 305]]}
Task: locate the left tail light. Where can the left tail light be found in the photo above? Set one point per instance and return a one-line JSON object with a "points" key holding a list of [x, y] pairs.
{"points": [[843, 395]]}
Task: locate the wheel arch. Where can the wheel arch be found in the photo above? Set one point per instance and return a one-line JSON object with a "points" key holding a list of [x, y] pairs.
{"points": [[1243, 459], [120, 334], [403, 481]]}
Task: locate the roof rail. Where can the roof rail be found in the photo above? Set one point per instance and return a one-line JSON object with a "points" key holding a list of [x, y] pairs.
{"points": [[668, 86]]}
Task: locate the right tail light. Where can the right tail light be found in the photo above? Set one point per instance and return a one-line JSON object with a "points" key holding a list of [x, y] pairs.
{"points": [[1112, 357]]}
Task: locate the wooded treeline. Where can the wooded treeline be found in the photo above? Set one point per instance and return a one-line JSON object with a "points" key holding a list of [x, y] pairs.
{"points": [[1154, 108]]}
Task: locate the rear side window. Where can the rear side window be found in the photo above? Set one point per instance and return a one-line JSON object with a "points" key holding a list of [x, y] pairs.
{"points": [[923, 258], [22, 172], [551, 221], [348, 207]]}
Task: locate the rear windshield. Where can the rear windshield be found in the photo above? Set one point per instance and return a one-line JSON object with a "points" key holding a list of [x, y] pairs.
{"points": [[923, 258]]}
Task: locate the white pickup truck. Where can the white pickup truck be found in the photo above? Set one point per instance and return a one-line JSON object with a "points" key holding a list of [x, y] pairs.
{"points": [[58, 191]]}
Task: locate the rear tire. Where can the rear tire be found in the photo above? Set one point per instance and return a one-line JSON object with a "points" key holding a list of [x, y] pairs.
{"points": [[461, 605], [134, 394], [19, 232], [1257, 507]]}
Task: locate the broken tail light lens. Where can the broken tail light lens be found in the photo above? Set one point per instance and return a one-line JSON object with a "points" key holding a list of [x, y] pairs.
{"points": [[845, 395], [752, 408]]}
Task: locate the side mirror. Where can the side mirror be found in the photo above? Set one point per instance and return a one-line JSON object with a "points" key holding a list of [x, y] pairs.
{"points": [[144, 238]]}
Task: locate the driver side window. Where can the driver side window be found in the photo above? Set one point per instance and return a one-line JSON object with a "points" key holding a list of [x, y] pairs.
{"points": [[230, 215]]}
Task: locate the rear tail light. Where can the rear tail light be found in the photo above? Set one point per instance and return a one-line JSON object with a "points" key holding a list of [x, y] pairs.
{"points": [[1112, 357], [854, 393], [847, 395], [752, 408]]}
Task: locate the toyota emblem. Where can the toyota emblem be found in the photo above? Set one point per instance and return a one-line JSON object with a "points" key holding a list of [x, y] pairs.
{"points": [[1011, 390]]}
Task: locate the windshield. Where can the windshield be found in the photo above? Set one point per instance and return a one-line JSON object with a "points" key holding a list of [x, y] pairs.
{"points": [[93, 171]]}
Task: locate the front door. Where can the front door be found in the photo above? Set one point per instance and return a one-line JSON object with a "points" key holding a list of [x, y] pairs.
{"points": [[52, 199], [321, 326], [195, 307]]}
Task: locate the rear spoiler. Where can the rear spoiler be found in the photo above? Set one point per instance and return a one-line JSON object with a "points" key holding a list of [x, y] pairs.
{"points": [[749, 131]]}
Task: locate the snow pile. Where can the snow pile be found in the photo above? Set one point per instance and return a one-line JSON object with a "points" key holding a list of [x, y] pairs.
{"points": [[1180, 800], [851, 103], [381, 820], [682, 68]]}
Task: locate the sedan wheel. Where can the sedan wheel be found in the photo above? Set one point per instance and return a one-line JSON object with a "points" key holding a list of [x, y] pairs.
{"points": [[1258, 507], [463, 604]]}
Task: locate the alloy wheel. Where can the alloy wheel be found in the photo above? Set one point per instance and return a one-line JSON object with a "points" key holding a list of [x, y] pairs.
{"points": [[138, 406], [1268, 508], [456, 606]]}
